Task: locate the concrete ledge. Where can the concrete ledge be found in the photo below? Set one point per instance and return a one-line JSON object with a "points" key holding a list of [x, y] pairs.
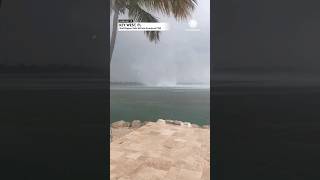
{"points": [[121, 128]]}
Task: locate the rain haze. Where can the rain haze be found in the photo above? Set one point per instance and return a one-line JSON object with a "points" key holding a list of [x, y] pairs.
{"points": [[180, 56]]}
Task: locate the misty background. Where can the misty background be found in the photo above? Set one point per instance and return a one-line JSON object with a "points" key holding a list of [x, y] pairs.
{"points": [[180, 57]]}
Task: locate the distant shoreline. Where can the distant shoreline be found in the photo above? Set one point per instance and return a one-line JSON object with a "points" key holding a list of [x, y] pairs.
{"points": [[204, 87], [168, 121]]}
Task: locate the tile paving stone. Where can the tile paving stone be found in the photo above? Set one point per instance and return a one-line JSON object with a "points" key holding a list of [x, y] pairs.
{"points": [[205, 173], [185, 174], [115, 154], [149, 173], [125, 178], [134, 156], [172, 174], [161, 151]]}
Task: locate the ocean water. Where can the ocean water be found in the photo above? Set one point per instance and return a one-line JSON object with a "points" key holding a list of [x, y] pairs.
{"points": [[183, 103]]}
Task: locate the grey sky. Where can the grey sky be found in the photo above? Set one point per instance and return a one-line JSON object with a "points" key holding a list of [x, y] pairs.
{"points": [[180, 56]]}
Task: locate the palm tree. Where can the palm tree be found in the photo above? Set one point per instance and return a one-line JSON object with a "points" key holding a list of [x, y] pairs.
{"points": [[138, 11]]}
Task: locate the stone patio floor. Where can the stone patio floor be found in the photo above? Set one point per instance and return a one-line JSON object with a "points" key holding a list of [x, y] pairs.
{"points": [[160, 151]]}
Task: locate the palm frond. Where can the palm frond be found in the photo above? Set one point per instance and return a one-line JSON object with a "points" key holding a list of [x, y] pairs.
{"points": [[138, 14], [120, 5], [153, 36], [162, 6], [181, 9]]}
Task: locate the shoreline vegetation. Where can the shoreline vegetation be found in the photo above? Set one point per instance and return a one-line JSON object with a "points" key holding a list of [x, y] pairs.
{"points": [[121, 128]]}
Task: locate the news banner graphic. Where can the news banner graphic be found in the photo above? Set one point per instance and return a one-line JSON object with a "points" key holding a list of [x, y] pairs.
{"points": [[129, 25]]}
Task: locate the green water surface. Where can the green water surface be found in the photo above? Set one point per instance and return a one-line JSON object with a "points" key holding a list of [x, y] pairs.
{"points": [[150, 104]]}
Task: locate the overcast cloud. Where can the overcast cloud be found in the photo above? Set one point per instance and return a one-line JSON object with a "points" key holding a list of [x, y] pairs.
{"points": [[180, 56]]}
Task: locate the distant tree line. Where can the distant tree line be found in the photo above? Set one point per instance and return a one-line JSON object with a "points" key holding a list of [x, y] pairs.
{"points": [[126, 83], [50, 68]]}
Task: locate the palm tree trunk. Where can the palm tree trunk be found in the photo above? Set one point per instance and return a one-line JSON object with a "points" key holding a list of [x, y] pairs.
{"points": [[114, 31], [112, 3]]}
